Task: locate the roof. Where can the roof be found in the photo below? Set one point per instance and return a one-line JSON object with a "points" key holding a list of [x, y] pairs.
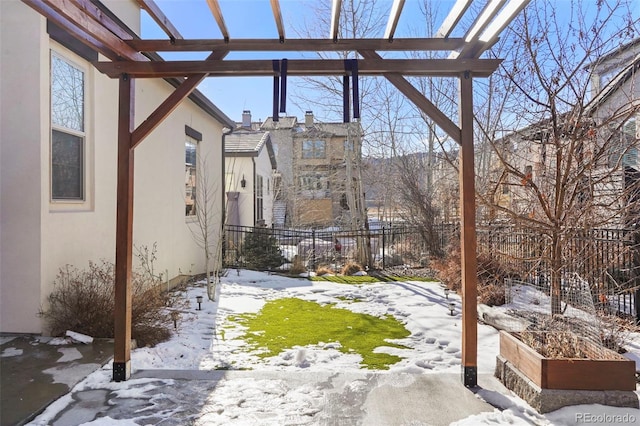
{"points": [[284, 123], [612, 86], [248, 143]]}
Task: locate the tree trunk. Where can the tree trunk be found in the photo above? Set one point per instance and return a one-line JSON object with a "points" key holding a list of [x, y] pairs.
{"points": [[556, 278]]}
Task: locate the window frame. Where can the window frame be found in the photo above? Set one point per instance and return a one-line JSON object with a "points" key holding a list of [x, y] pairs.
{"points": [[190, 174], [82, 135]]}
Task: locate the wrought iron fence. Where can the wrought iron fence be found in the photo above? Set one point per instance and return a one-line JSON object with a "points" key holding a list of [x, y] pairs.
{"points": [[607, 259], [389, 245]]}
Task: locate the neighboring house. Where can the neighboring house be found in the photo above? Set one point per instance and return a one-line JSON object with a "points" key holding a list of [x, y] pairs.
{"points": [[58, 158], [250, 164], [610, 122], [320, 171]]}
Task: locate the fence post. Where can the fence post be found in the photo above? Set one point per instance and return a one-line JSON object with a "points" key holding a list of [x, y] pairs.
{"points": [[313, 249], [384, 253]]}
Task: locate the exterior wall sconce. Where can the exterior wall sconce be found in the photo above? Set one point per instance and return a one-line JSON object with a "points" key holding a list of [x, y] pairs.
{"points": [[199, 300], [243, 182]]}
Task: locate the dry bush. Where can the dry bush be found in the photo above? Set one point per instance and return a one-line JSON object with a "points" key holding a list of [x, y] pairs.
{"points": [[491, 274], [554, 344], [351, 268], [324, 270], [298, 266], [83, 301], [491, 295]]}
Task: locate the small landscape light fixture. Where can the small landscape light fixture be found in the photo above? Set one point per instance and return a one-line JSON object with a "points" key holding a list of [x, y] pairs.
{"points": [[452, 307], [243, 182], [446, 292], [174, 316], [199, 300]]}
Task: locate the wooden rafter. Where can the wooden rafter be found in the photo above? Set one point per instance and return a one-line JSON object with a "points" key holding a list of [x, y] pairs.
{"points": [[277, 15], [94, 12], [299, 67], [394, 16], [297, 45], [454, 16], [157, 15], [217, 14], [69, 16], [73, 30], [336, 8]]}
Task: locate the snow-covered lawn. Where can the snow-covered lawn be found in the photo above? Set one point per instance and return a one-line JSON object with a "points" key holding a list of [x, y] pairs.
{"points": [[434, 347]]}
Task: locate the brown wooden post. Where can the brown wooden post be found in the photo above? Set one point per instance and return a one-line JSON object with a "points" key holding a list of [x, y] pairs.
{"points": [[124, 232], [468, 235]]}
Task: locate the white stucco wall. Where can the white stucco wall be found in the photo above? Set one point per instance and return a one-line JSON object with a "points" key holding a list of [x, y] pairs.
{"points": [[38, 236], [263, 168], [23, 55], [239, 167]]}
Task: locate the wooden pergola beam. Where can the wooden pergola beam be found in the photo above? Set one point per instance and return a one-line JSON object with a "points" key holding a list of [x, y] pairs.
{"points": [[298, 45], [214, 6], [161, 19], [277, 15], [170, 104], [73, 30], [414, 95], [67, 13], [299, 67]]}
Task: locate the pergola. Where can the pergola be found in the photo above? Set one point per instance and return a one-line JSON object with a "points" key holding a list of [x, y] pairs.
{"points": [[128, 57]]}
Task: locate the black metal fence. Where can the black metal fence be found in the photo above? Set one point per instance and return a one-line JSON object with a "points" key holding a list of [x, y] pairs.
{"points": [[391, 245], [607, 259]]}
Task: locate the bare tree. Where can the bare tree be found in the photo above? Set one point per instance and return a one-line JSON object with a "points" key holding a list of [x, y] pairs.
{"points": [[562, 172], [207, 227]]}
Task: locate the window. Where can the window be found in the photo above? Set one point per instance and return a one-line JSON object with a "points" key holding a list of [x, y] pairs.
{"points": [[313, 149], [67, 130], [259, 198], [190, 149]]}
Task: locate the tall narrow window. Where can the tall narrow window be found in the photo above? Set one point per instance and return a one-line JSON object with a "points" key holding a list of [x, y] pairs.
{"points": [[67, 130], [190, 149], [259, 197]]}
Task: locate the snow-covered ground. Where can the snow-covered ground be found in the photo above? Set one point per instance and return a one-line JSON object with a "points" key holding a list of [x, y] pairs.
{"points": [[434, 348]]}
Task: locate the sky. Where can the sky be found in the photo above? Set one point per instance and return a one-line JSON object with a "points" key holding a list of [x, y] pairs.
{"points": [[252, 19], [211, 338]]}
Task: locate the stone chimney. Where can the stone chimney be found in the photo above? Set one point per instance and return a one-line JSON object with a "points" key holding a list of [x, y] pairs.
{"points": [[246, 119], [308, 118]]}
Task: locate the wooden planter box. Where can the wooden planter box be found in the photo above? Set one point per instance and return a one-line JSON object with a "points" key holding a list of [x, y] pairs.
{"points": [[609, 372]]}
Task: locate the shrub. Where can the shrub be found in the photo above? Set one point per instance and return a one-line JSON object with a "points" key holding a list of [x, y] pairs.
{"points": [[491, 274], [351, 268], [298, 266], [83, 301], [261, 250], [324, 270]]}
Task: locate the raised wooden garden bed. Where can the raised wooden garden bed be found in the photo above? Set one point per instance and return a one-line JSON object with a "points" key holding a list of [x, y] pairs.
{"points": [[609, 371]]}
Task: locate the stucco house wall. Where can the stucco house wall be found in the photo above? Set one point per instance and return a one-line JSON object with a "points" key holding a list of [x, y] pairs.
{"points": [[38, 236]]}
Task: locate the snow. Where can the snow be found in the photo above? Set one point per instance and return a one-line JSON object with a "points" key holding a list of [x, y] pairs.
{"points": [[207, 340]]}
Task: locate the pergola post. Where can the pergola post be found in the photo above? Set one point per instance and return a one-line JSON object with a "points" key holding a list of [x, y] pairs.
{"points": [[468, 235], [124, 231]]}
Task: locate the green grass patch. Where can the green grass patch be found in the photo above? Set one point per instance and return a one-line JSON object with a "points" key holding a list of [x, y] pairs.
{"points": [[285, 323]]}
